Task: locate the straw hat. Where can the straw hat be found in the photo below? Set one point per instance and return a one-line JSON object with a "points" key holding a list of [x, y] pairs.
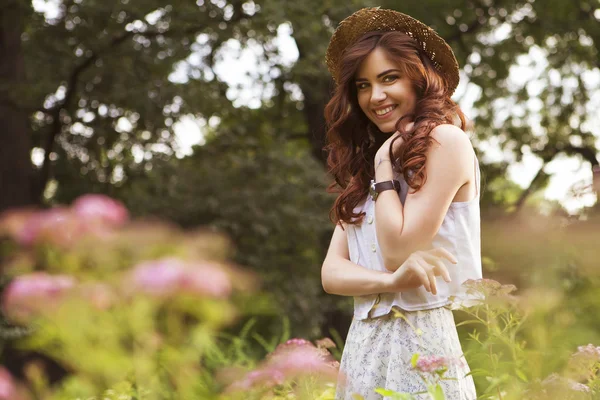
{"points": [[376, 19]]}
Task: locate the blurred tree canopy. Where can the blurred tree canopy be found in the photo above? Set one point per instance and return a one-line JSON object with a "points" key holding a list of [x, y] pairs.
{"points": [[88, 86], [92, 91]]}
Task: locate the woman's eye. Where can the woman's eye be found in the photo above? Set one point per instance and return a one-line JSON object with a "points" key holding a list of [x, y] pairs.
{"points": [[360, 86], [390, 78]]}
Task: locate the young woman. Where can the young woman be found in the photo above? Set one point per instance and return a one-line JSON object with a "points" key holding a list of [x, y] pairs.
{"points": [[407, 217]]}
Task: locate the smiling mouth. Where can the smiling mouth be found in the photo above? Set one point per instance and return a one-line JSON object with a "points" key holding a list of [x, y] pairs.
{"points": [[385, 112]]}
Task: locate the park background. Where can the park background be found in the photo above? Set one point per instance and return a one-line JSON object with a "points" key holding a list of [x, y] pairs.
{"points": [[209, 115]]}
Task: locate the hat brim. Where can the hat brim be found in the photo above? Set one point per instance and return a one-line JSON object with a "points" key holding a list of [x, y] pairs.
{"points": [[351, 29]]}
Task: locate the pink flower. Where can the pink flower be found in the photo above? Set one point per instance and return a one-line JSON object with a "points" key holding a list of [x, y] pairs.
{"points": [[292, 359], [100, 295], [590, 351], [299, 356], [55, 225], [170, 276], [583, 363], [29, 294], [159, 278], [13, 221], [265, 378], [97, 207], [298, 342], [557, 384], [8, 391], [488, 287], [207, 279], [435, 364]]}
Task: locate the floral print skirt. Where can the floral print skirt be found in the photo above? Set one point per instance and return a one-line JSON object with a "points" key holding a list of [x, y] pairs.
{"points": [[378, 354]]}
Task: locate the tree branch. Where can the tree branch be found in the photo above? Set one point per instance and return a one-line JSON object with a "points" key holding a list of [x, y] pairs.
{"points": [[588, 153], [530, 189], [71, 87]]}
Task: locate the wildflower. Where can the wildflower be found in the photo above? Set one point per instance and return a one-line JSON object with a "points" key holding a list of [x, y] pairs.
{"points": [[582, 363], [297, 342], [555, 383], [290, 360], [435, 364], [96, 207], [489, 287], [159, 278], [55, 225], [170, 276], [28, 294], [590, 351], [207, 279], [100, 295], [12, 221], [299, 356], [8, 390], [265, 378]]}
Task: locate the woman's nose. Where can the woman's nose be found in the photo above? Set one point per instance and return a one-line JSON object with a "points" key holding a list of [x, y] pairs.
{"points": [[378, 94]]}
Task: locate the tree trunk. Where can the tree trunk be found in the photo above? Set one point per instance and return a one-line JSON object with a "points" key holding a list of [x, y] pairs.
{"points": [[315, 99], [15, 137]]}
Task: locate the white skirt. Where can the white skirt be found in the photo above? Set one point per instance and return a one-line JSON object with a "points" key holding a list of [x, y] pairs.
{"points": [[378, 354]]}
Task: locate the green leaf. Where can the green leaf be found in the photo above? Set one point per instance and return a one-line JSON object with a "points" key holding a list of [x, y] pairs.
{"points": [[414, 359], [394, 395], [385, 392], [437, 393], [522, 375]]}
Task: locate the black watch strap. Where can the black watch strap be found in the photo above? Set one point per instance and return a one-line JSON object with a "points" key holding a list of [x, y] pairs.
{"points": [[379, 187]]}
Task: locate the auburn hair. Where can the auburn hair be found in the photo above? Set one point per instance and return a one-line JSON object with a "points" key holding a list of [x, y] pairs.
{"points": [[353, 140]]}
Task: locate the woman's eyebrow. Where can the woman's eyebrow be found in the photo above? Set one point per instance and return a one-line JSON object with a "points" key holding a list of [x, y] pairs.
{"points": [[378, 76]]}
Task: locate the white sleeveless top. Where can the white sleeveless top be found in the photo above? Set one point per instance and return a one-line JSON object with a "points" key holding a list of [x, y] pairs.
{"points": [[459, 234]]}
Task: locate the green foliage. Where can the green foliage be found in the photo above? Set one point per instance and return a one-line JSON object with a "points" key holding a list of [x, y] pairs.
{"points": [[267, 193], [107, 82], [120, 324]]}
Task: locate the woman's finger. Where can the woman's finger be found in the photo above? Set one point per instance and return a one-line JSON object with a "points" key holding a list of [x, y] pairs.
{"points": [[441, 252], [440, 269], [422, 274], [430, 276]]}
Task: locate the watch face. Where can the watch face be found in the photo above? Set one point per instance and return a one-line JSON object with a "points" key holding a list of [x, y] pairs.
{"points": [[372, 191]]}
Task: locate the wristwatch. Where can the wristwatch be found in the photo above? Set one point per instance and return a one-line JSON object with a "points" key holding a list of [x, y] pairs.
{"points": [[376, 188]]}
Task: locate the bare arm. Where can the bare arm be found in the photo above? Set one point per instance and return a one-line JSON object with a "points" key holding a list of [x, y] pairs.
{"points": [[341, 276], [404, 229]]}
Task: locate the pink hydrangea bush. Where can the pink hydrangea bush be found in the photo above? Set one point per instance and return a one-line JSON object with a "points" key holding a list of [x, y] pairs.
{"points": [[91, 214], [96, 207], [28, 295], [8, 390], [115, 292], [290, 361], [171, 276]]}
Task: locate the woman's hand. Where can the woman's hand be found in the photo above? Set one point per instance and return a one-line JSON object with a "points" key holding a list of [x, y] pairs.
{"points": [[384, 149], [421, 269]]}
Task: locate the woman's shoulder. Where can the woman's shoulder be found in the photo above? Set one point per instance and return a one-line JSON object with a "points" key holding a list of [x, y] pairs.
{"points": [[452, 138]]}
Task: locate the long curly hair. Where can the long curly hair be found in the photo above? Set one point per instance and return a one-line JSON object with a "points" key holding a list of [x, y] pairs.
{"points": [[353, 140]]}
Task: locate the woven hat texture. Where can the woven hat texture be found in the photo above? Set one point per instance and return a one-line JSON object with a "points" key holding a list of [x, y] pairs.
{"points": [[376, 19]]}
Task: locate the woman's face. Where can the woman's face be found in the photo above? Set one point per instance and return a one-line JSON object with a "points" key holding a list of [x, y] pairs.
{"points": [[384, 95]]}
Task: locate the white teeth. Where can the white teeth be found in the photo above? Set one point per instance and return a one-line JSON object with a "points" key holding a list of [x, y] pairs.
{"points": [[385, 110]]}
